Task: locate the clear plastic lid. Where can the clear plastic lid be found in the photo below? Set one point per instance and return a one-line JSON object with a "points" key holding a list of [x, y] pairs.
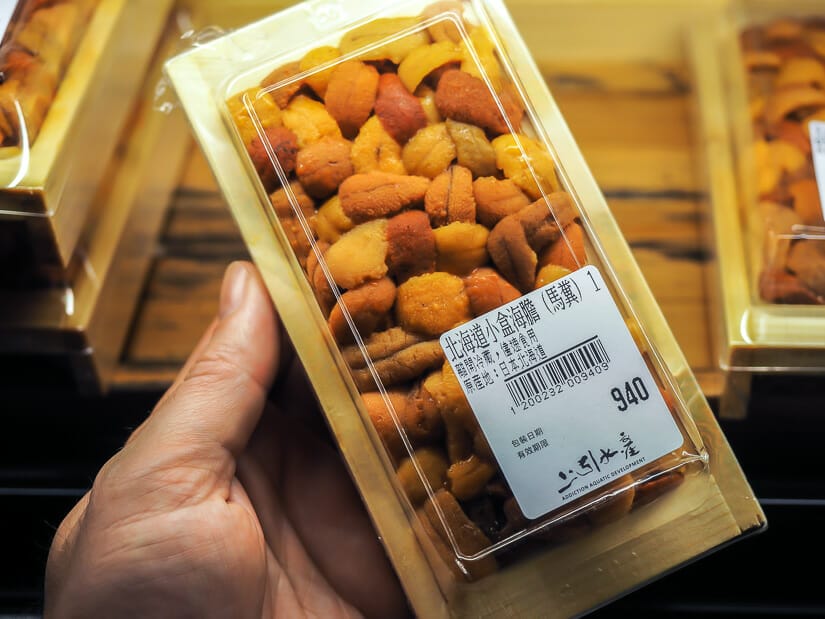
{"points": [[517, 399]]}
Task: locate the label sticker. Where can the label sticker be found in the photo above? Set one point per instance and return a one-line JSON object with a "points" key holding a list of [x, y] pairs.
{"points": [[818, 154], [561, 392], [6, 12]]}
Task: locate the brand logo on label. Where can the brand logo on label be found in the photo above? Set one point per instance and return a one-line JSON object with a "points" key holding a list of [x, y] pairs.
{"points": [[561, 392]]}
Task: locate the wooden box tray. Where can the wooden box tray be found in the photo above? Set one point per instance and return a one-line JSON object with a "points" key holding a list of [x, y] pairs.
{"points": [[82, 327], [46, 190]]}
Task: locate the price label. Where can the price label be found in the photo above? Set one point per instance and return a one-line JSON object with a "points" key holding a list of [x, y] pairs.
{"points": [[561, 392]]}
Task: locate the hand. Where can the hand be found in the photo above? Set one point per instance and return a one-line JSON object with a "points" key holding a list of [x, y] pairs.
{"points": [[169, 530]]}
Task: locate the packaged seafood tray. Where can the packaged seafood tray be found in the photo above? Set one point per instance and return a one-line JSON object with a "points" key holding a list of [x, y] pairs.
{"points": [[512, 407], [72, 335], [762, 110], [65, 67]]}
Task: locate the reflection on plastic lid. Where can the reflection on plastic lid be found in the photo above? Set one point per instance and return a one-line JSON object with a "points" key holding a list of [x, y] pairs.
{"points": [[25, 153], [68, 301]]}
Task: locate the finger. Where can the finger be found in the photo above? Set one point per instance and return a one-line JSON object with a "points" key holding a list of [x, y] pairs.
{"points": [[284, 362], [304, 585], [187, 367], [219, 400], [57, 566], [287, 355], [366, 579], [200, 347], [299, 401]]}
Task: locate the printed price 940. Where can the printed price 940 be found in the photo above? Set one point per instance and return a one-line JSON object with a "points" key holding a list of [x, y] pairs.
{"points": [[633, 392]]}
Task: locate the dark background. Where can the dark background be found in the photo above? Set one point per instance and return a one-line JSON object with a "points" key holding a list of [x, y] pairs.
{"points": [[52, 446]]}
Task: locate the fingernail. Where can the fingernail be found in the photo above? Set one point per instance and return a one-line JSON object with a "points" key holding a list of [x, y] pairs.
{"points": [[233, 289]]}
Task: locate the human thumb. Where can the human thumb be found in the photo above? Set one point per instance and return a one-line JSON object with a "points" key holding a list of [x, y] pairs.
{"points": [[217, 402]]}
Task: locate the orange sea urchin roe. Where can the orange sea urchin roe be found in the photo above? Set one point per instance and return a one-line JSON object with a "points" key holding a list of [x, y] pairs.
{"points": [[432, 303]]}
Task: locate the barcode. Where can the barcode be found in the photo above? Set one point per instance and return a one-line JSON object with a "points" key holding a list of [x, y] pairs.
{"points": [[565, 366]]}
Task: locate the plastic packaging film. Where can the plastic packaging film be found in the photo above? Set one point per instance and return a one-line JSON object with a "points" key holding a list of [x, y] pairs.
{"points": [[434, 235]]}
